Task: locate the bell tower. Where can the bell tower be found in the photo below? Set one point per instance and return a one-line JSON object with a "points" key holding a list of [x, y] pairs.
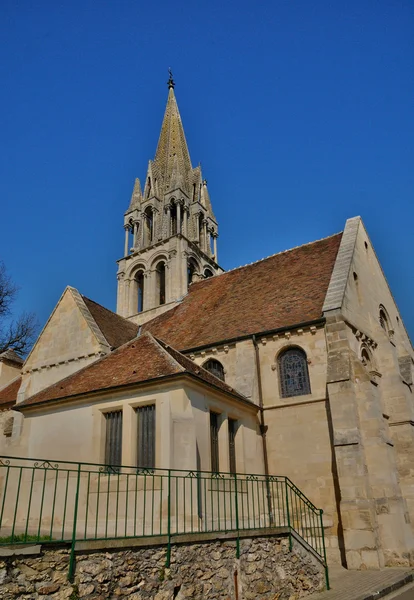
{"points": [[170, 228]]}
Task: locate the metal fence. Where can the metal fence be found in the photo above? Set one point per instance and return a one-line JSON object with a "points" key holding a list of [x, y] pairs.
{"points": [[58, 501]]}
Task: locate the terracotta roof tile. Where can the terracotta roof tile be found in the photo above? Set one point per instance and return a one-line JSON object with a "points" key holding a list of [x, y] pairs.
{"points": [[8, 394], [283, 290], [143, 359], [116, 330]]}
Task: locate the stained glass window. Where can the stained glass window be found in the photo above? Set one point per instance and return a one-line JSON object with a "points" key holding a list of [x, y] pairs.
{"points": [[293, 372]]}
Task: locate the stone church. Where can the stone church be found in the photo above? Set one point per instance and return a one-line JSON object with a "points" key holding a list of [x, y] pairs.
{"points": [[298, 364]]}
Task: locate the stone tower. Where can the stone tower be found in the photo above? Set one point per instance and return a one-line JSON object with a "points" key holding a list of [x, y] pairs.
{"points": [[170, 229]]}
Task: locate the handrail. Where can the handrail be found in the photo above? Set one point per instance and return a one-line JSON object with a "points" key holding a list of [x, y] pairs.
{"points": [[45, 500]]}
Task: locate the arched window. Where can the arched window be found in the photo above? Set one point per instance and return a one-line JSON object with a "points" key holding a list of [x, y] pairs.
{"points": [[208, 273], [366, 358], [149, 225], [140, 290], [160, 274], [215, 368], [191, 269], [293, 373], [149, 187], [384, 319]]}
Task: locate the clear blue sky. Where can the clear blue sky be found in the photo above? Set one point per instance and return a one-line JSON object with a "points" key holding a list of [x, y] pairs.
{"points": [[301, 113]]}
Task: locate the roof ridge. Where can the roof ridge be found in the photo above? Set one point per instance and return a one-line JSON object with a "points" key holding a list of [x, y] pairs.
{"points": [[159, 344], [277, 253], [107, 309]]}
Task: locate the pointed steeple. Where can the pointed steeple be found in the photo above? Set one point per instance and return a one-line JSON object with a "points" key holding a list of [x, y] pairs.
{"points": [[172, 150]]}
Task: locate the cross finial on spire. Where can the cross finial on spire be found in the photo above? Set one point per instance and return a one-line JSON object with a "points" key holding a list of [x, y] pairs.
{"points": [[171, 82]]}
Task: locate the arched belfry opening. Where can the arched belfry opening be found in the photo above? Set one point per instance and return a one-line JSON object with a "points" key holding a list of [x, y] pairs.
{"points": [[149, 226], [160, 283], [139, 278]]}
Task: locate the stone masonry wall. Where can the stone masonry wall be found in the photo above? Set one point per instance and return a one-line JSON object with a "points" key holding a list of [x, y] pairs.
{"points": [[266, 570]]}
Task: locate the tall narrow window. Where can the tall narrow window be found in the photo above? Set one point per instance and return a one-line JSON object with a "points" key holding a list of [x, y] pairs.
{"points": [[215, 368], [146, 436], [113, 442], [192, 268], [232, 445], [149, 187], [140, 290], [161, 282], [293, 373], [173, 219], [214, 430], [149, 225]]}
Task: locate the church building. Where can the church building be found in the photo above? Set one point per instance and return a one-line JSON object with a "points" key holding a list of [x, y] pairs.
{"points": [[296, 365]]}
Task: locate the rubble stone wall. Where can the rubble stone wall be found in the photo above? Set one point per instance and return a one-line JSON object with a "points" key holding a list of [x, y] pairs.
{"points": [[266, 569]]}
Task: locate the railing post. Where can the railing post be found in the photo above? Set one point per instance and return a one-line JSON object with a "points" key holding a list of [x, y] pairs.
{"points": [[324, 550], [236, 510], [71, 572], [168, 557], [288, 514]]}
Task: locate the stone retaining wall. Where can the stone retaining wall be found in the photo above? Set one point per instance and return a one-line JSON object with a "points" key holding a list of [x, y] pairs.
{"points": [[266, 570]]}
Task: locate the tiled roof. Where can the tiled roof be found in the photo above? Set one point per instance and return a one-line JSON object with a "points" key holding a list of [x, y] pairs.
{"points": [[141, 360], [11, 356], [280, 291], [116, 330], [8, 394]]}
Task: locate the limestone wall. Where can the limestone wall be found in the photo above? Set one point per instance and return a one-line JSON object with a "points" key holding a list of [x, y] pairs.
{"points": [[266, 569], [69, 341]]}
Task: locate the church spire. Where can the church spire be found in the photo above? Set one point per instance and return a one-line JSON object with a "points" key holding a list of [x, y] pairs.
{"points": [[172, 150], [170, 229]]}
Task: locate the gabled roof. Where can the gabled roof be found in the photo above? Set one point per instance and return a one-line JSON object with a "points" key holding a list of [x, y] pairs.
{"points": [[115, 329], [142, 360], [283, 290], [8, 394]]}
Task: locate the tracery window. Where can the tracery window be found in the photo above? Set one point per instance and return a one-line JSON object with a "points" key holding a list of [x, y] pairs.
{"points": [[215, 368], [208, 273], [293, 373]]}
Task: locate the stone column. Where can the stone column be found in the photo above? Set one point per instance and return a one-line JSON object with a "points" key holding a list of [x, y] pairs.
{"points": [[215, 248], [197, 228], [168, 228], [205, 243], [136, 233], [126, 298], [120, 308], [178, 217], [126, 249], [185, 223]]}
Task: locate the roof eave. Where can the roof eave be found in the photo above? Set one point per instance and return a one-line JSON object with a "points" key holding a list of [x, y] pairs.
{"points": [[62, 400]]}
